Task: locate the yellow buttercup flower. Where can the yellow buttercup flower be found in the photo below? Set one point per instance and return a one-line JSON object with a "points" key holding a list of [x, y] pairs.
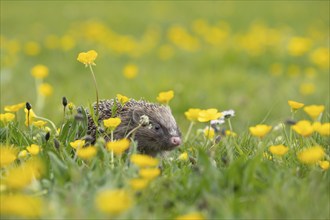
{"points": [[29, 116], [87, 58], [299, 46], [314, 110], [209, 132], [303, 127], [184, 156], [22, 154], [165, 97], [7, 117], [311, 155], [122, 99], [307, 88], [208, 115], [260, 130], [113, 201], [33, 149], [191, 216], [320, 57], [21, 176], [14, 108], [278, 150], [295, 105], [39, 71], [139, 183], [118, 147], [130, 71], [32, 48], [149, 173], [45, 89], [67, 42], [324, 129], [141, 160], [86, 153], [192, 114], [8, 155], [77, 144], [39, 123], [230, 133], [21, 205], [324, 164], [112, 123]]}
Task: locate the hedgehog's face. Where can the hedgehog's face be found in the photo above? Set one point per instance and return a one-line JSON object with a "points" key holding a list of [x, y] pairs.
{"points": [[161, 134]]}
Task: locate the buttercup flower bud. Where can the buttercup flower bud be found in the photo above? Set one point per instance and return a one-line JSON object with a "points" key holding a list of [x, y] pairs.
{"points": [[64, 101], [28, 106]]}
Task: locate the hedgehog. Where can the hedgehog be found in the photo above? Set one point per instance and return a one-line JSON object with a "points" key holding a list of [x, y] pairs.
{"points": [[160, 134]]}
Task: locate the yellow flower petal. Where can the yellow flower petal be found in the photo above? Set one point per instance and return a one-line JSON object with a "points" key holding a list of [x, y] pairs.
{"points": [[311, 155], [33, 149], [191, 216], [113, 201], [130, 71], [149, 173], [14, 108], [208, 115], [112, 123], [45, 89], [8, 155], [324, 164], [165, 97], [141, 160], [87, 58], [86, 153], [118, 147], [295, 105], [260, 130], [7, 117], [279, 150], [139, 183], [184, 156], [77, 144], [303, 127], [39, 71], [122, 99], [314, 110], [24, 206], [192, 114]]}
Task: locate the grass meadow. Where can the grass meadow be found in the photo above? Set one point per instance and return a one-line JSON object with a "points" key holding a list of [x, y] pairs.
{"points": [[266, 61]]}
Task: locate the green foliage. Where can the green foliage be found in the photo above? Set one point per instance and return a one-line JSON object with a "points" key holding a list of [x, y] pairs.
{"points": [[249, 68]]}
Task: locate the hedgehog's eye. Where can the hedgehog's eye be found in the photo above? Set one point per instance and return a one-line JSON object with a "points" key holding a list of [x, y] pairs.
{"points": [[157, 127]]}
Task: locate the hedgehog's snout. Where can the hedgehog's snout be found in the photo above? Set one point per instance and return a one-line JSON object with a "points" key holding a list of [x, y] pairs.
{"points": [[175, 141]]}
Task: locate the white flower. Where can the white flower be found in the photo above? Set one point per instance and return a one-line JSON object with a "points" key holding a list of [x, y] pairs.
{"points": [[144, 120], [228, 113], [219, 121]]}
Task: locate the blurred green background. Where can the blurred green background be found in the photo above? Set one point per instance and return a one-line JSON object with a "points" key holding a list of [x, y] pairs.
{"points": [[248, 56]]}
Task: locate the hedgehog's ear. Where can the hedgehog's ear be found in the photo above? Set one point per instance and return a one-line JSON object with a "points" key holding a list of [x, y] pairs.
{"points": [[136, 114]]}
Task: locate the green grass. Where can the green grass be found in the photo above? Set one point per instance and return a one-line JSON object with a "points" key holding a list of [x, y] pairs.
{"points": [[230, 179]]}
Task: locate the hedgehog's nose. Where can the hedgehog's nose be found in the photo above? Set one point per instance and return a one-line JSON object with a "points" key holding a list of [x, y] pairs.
{"points": [[176, 141]]}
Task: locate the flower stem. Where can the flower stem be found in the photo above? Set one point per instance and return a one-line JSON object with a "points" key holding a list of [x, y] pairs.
{"points": [[229, 124], [112, 158], [133, 130], [96, 90], [40, 99], [50, 122], [189, 131]]}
